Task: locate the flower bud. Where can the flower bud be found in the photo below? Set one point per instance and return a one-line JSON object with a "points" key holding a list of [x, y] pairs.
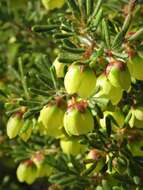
{"points": [[59, 68], [97, 157], [14, 125], [135, 65], [27, 172], [118, 75], [117, 116], [136, 119], [51, 117], [78, 120], [21, 172], [71, 146], [80, 80], [26, 130], [53, 4], [107, 90], [43, 169]]}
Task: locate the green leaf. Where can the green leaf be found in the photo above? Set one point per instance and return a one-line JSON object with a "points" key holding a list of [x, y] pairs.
{"points": [[67, 180], [74, 8], [89, 170], [12, 52], [96, 21], [89, 7], [127, 23], [66, 28], [16, 5], [53, 76], [23, 78], [13, 111], [116, 188], [108, 126], [127, 118], [106, 33], [99, 111], [44, 28], [106, 185], [27, 124], [76, 164], [44, 81], [137, 180], [28, 103], [39, 92], [130, 170], [110, 159], [62, 164], [113, 120], [59, 36], [68, 43], [99, 187], [118, 40], [31, 112], [82, 6], [67, 58], [96, 55], [54, 178], [3, 93], [73, 50], [136, 35], [98, 5]]}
